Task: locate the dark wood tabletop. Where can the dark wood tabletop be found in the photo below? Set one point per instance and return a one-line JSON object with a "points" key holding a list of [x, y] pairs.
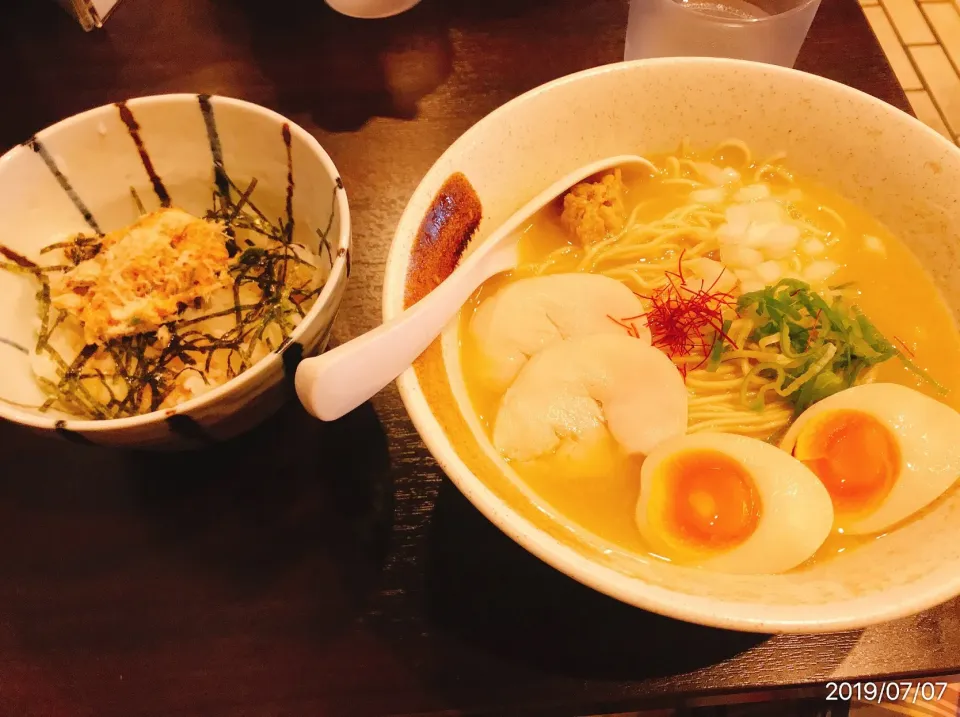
{"points": [[310, 569]]}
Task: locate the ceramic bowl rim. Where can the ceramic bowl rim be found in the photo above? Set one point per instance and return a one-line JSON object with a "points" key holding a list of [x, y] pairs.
{"points": [[838, 615], [238, 383]]}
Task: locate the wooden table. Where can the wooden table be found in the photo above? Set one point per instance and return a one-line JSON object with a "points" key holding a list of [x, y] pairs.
{"points": [[331, 569]]}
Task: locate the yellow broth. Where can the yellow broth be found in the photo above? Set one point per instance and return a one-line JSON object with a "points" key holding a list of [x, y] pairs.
{"points": [[894, 292]]}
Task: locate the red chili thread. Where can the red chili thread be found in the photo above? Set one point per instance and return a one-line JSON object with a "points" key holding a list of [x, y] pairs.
{"points": [[631, 328], [679, 314], [905, 347], [814, 333]]}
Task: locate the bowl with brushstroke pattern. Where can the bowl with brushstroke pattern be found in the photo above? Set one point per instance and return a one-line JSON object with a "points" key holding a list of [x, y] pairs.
{"points": [[172, 150], [898, 170]]}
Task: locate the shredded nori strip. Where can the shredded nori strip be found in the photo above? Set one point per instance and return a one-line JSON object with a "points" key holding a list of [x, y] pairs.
{"points": [[146, 368]]}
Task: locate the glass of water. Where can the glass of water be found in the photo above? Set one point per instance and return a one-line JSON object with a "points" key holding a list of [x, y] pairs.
{"points": [[763, 30]]}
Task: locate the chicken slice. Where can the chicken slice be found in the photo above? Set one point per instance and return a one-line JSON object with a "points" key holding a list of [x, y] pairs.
{"points": [[530, 314], [577, 389]]}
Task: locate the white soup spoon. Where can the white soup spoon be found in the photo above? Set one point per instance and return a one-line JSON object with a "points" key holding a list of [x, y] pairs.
{"points": [[336, 382]]}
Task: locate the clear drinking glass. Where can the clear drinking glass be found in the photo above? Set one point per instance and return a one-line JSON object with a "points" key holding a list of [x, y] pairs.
{"points": [[763, 30]]}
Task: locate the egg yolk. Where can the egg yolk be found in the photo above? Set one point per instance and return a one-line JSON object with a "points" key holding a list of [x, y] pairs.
{"points": [[854, 455], [709, 499]]}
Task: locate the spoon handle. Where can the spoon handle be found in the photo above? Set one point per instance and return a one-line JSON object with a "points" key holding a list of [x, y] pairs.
{"points": [[336, 382], [339, 380]]}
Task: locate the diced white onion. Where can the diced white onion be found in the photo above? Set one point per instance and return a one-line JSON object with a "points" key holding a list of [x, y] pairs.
{"points": [[730, 234], [768, 211], [740, 256], [752, 193], [819, 271], [756, 235], [714, 195], [730, 175], [769, 272], [749, 281], [781, 240], [713, 273], [738, 217], [711, 172], [813, 247], [874, 243]]}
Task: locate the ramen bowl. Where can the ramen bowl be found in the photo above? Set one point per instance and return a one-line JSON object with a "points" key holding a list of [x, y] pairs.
{"points": [[873, 155], [183, 151]]}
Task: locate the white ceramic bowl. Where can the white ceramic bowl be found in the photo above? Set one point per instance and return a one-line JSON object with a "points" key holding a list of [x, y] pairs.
{"points": [[76, 176], [899, 170]]}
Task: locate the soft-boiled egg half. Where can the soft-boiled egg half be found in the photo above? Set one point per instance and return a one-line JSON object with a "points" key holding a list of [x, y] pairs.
{"points": [[883, 451], [732, 504]]}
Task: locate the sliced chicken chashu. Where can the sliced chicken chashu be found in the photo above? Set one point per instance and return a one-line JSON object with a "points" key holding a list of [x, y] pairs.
{"points": [[530, 314], [576, 389]]}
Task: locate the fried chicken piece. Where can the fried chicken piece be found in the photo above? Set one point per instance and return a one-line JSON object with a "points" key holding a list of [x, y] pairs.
{"points": [[143, 275]]}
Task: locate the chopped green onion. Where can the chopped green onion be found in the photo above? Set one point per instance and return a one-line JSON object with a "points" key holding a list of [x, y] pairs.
{"points": [[716, 350], [830, 345]]}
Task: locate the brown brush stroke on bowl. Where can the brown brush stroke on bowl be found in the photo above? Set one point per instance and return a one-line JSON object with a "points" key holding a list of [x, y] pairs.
{"points": [[446, 229]]}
